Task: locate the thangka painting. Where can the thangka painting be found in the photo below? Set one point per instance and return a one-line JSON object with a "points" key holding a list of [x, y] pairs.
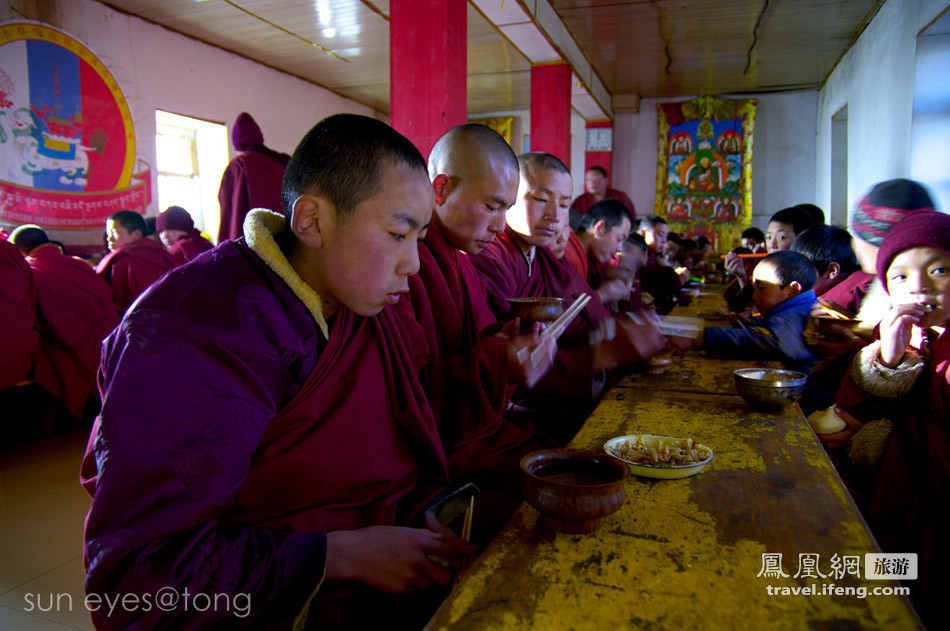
{"points": [[501, 124], [67, 142], [704, 170]]}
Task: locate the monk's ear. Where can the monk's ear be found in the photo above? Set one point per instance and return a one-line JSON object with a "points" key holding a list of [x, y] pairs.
{"points": [[310, 218], [598, 229], [442, 185], [833, 270], [794, 288]]}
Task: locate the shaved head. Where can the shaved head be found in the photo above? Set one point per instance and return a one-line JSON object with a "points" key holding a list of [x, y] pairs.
{"points": [[470, 151], [28, 237], [475, 176], [533, 162]]}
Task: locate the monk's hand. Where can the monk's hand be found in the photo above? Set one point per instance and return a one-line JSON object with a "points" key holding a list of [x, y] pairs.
{"points": [[510, 329], [614, 289], [896, 329], [465, 552], [393, 559], [530, 356], [632, 343], [735, 266]]}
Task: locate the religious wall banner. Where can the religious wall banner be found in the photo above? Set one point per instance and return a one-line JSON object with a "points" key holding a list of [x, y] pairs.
{"points": [[67, 143], [704, 168], [501, 124]]}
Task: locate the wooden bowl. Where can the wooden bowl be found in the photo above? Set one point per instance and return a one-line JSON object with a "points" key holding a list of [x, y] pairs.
{"points": [[574, 489], [537, 309]]}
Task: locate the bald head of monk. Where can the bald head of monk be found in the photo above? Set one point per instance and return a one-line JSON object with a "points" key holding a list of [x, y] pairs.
{"points": [[28, 237], [358, 201], [475, 177], [544, 199]]}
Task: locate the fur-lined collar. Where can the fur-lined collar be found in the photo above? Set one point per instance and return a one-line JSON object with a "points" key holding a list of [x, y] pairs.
{"points": [[260, 228]]}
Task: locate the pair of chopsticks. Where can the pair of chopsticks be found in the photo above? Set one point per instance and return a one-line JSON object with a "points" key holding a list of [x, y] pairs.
{"points": [[557, 327], [467, 524], [748, 256]]}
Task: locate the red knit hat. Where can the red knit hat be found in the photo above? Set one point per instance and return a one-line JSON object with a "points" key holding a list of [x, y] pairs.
{"points": [[886, 204], [925, 229], [174, 218], [246, 133]]}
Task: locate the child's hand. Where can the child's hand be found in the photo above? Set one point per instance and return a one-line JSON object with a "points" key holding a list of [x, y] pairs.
{"points": [[841, 439], [896, 329]]}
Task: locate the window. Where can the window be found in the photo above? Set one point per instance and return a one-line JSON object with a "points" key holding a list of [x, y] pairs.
{"points": [[930, 131], [191, 156], [839, 168]]}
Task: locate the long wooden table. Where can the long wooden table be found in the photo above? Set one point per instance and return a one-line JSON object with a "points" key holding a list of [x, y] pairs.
{"points": [[687, 553]]}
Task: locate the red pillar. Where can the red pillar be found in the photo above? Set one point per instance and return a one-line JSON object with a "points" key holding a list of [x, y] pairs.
{"points": [[427, 68], [551, 109]]}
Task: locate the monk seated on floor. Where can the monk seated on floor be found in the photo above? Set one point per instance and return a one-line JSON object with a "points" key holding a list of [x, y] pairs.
{"points": [[75, 313], [264, 431], [518, 264], [133, 262], [475, 177]]}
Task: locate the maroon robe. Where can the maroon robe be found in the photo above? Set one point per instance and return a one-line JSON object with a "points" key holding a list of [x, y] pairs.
{"points": [[585, 200], [233, 436], [132, 268], [467, 377], [851, 291], [75, 313], [576, 255], [189, 246], [17, 316], [252, 180], [910, 507], [564, 397]]}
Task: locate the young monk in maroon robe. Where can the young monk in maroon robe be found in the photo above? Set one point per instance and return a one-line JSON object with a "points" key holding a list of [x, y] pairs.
{"points": [[176, 229], [905, 377], [75, 313], [252, 180], [568, 247], [263, 429], [602, 232], [475, 177], [133, 262], [518, 264], [17, 316]]}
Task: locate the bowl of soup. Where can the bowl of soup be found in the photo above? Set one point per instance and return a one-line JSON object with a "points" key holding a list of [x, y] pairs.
{"points": [[574, 489]]}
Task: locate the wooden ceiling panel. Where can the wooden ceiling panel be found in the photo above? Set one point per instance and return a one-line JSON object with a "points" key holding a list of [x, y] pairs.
{"points": [[797, 44], [646, 47], [499, 91]]}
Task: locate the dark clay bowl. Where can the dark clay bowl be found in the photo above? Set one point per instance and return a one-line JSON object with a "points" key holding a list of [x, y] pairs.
{"points": [[537, 309], [573, 489]]}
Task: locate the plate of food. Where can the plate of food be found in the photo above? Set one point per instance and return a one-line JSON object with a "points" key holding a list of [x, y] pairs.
{"points": [[658, 456]]}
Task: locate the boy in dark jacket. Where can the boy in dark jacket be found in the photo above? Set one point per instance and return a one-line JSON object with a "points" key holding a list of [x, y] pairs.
{"points": [[783, 296]]}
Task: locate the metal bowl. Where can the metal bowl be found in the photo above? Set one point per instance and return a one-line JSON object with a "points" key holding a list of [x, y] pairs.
{"points": [[537, 309], [769, 387]]}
